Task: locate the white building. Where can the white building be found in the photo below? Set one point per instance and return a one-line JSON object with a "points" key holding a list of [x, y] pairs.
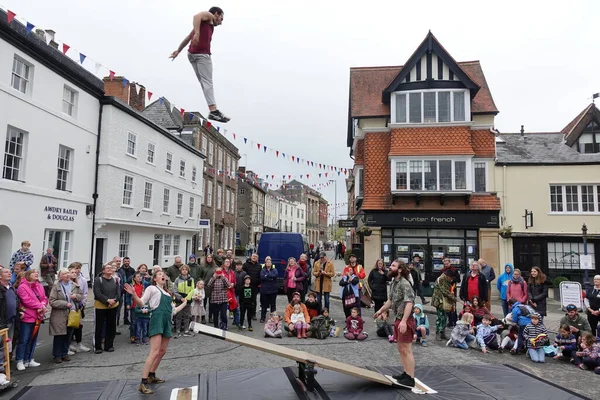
{"points": [[299, 218], [292, 216], [150, 188], [271, 211], [49, 129]]}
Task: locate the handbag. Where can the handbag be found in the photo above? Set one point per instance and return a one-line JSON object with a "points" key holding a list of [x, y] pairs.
{"points": [[74, 319], [349, 297]]}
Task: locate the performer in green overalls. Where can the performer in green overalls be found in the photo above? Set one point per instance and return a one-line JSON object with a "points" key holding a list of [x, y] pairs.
{"points": [[161, 304]]}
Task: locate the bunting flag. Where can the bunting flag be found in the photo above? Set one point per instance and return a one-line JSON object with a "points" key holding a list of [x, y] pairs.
{"points": [[149, 95], [65, 48], [29, 27], [81, 58], [125, 82], [111, 74], [182, 111], [10, 16], [97, 67], [137, 88]]}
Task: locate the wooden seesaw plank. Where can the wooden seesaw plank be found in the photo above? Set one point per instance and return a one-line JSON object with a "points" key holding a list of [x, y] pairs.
{"points": [[304, 357]]}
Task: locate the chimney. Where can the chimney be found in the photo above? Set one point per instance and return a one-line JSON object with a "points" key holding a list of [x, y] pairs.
{"points": [[127, 93], [41, 34], [522, 130]]}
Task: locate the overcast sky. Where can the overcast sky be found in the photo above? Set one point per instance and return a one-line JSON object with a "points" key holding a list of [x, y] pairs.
{"points": [[281, 68]]}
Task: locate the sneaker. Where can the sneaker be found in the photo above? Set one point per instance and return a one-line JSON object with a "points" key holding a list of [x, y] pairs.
{"points": [[66, 358], [407, 380], [391, 338], [70, 353], [218, 116], [73, 347], [32, 364], [20, 366], [82, 348], [250, 328], [240, 328], [424, 343], [176, 335], [58, 360], [418, 340], [448, 343], [187, 334], [262, 320]]}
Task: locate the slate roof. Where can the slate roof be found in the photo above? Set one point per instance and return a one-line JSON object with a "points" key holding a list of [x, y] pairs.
{"points": [[161, 113], [539, 148], [574, 129]]}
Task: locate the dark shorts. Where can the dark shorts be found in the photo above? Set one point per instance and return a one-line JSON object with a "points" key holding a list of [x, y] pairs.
{"points": [[406, 337], [160, 324]]}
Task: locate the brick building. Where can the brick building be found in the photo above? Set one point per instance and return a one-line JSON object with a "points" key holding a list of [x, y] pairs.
{"points": [[423, 145], [251, 208]]}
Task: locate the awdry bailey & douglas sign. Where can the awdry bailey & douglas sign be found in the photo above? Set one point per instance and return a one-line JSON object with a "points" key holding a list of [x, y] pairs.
{"points": [[61, 214], [487, 219]]}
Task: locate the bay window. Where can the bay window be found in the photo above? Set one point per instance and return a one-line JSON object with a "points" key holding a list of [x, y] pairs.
{"points": [[434, 175], [430, 106]]}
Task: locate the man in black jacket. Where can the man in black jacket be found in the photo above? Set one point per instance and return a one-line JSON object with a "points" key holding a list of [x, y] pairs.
{"points": [[416, 283], [474, 284], [253, 268]]}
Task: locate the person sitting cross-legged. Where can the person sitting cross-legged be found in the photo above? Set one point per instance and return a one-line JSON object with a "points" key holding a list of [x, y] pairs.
{"points": [[289, 309]]}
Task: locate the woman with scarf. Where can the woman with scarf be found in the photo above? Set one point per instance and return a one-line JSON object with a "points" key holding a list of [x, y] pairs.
{"points": [[517, 288], [306, 268], [537, 290], [65, 296], [502, 285], [293, 280]]}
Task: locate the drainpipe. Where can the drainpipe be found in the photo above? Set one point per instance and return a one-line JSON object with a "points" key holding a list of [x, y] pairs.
{"points": [[504, 206], [95, 195]]}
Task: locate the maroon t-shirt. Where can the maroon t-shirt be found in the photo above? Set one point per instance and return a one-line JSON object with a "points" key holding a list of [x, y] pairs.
{"points": [[203, 45]]}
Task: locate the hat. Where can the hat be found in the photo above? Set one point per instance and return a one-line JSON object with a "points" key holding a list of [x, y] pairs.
{"points": [[322, 254], [571, 307], [248, 277], [448, 272], [192, 256], [296, 294]]}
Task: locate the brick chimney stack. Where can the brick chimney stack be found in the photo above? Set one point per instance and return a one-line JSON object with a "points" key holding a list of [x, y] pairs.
{"points": [[127, 93]]}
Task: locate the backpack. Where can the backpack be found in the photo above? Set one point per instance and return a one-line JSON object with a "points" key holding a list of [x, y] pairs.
{"points": [[318, 326], [526, 310]]}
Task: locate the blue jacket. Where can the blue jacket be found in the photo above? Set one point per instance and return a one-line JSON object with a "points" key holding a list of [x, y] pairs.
{"points": [[268, 280], [502, 282], [517, 315], [421, 319]]}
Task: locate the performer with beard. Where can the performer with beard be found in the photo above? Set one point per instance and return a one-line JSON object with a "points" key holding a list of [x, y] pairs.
{"points": [[402, 300]]}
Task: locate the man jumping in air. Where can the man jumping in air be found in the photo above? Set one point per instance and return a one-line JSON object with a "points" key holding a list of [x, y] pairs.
{"points": [[199, 55]]}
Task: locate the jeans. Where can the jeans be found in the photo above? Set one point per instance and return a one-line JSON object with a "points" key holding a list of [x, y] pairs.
{"points": [[60, 344], [219, 310], [26, 346], [465, 345], [267, 301], [131, 321], [504, 307], [236, 313], [105, 319], [537, 355], [326, 296], [141, 329]]}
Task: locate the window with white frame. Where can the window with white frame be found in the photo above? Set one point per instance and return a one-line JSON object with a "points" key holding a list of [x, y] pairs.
{"points": [[179, 204], [148, 196], [69, 102], [220, 159], [480, 174], [66, 249], [430, 106], [575, 198], [151, 152], [359, 182], [194, 173], [166, 200], [167, 240], [169, 162], [219, 196], [14, 155], [209, 193], [21, 74], [227, 200], [228, 165], [123, 243], [176, 244], [127, 190], [589, 141], [211, 153], [204, 144], [63, 168], [192, 204], [131, 143], [566, 255], [182, 168], [430, 175]]}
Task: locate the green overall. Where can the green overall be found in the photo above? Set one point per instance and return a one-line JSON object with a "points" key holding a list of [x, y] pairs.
{"points": [[160, 321]]}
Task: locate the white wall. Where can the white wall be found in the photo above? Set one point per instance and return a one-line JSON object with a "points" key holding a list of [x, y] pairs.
{"points": [[39, 114]]}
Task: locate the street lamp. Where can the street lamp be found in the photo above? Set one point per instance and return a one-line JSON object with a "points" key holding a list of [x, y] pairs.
{"points": [[586, 276], [334, 202]]}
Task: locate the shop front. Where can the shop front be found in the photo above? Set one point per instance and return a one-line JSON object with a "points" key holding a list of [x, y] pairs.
{"points": [[432, 235]]}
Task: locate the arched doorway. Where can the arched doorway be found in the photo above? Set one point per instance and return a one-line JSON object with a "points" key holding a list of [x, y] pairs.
{"points": [[6, 246]]}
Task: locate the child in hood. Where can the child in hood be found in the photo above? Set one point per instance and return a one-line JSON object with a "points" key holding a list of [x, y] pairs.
{"points": [[422, 324], [462, 334], [486, 334], [274, 327], [502, 285]]}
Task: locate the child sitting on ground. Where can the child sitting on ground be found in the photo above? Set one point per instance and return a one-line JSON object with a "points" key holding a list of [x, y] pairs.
{"points": [[589, 356], [354, 326], [384, 329], [462, 333], [536, 337], [273, 327], [198, 312], [566, 343], [510, 339], [330, 323], [486, 335], [312, 305], [422, 323], [297, 318]]}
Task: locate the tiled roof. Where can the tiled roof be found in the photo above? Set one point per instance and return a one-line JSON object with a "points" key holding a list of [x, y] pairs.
{"points": [[377, 172], [160, 112], [539, 148], [359, 155], [434, 140], [484, 143], [368, 83]]}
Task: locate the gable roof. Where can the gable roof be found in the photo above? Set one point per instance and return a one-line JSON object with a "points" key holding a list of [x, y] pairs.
{"points": [[429, 45], [574, 128], [161, 113], [540, 148]]}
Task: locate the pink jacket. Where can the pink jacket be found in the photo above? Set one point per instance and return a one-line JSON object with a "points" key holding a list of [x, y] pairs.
{"points": [[32, 298], [517, 291]]}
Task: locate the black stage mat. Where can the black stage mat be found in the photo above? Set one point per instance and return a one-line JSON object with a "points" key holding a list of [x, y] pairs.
{"points": [[453, 382]]}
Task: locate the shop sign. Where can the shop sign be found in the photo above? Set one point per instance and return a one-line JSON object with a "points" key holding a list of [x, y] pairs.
{"points": [[570, 293], [433, 219], [347, 223], [204, 223], [61, 214]]}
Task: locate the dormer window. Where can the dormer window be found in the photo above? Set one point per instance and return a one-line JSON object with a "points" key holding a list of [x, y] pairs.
{"points": [[589, 141], [431, 107]]}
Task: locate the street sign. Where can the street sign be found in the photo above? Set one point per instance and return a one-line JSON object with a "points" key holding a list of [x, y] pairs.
{"points": [[204, 223], [570, 293], [347, 223], [586, 261]]}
